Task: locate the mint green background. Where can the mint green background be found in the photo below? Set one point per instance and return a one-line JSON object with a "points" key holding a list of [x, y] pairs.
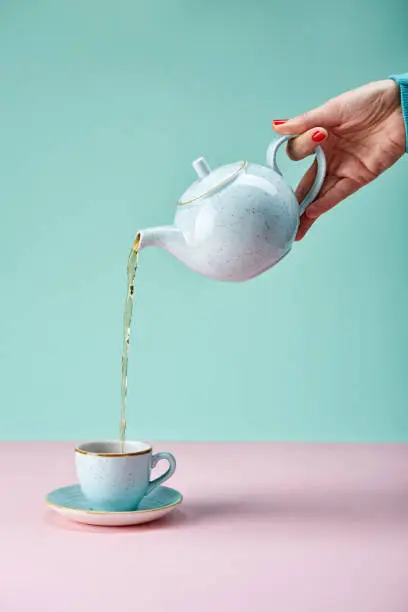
{"points": [[103, 106]]}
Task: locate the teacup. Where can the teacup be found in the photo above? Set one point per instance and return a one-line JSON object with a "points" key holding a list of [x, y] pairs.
{"points": [[116, 481]]}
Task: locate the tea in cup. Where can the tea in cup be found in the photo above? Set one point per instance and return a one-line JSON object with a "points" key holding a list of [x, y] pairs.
{"points": [[117, 481]]}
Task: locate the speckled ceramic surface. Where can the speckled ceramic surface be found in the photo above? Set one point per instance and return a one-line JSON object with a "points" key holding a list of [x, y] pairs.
{"points": [[71, 503], [112, 480], [236, 221]]}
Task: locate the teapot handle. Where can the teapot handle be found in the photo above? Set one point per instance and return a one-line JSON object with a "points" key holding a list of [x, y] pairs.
{"points": [[320, 174]]}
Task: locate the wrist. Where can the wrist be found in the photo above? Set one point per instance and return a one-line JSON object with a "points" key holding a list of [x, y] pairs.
{"points": [[401, 81]]}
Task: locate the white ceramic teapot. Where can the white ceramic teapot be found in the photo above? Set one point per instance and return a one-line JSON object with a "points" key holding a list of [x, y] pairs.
{"points": [[236, 221]]}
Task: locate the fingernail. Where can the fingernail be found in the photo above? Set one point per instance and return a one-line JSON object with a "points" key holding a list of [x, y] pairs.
{"points": [[318, 136], [279, 121]]}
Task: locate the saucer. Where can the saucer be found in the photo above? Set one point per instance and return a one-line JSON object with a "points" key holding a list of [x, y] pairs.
{"points": [[71, 503]]}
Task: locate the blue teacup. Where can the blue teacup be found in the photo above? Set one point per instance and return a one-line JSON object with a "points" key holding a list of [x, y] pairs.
{"points": [[116, 481]]}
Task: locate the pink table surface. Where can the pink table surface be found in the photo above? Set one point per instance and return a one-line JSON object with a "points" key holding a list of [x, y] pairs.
{"points": [[275, 527]]}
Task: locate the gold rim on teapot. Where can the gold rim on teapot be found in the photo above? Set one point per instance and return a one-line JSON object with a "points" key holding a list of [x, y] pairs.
{"points": [[216, 187]]}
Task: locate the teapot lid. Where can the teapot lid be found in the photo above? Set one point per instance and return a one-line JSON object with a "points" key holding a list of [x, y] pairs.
{"points": [[209, 181]]}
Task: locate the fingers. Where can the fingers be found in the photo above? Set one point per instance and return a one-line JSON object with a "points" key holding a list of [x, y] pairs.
{"points": [[304, 145], [302, 190], [325, 115], [304, 227], [306, 183], [333, 192], [300, 124], [330, 196]]}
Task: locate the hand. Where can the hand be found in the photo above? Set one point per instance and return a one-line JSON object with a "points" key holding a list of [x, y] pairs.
{"points": [[362, 133]]}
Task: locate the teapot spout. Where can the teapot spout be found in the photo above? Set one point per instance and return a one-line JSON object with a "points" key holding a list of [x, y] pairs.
{"points": [[167, 237]]}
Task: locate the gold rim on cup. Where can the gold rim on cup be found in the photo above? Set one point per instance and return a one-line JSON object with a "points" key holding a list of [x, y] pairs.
{"points": [[146, 451]]}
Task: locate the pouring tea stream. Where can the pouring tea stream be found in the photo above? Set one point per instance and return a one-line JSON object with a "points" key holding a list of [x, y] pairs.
{"points": [[236, 221]]}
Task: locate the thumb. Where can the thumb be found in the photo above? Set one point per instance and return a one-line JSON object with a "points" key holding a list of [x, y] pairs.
{"points": [[322, 116]]}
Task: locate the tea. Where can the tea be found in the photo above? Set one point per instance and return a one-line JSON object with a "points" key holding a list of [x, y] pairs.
{"points": [[127, 321]]}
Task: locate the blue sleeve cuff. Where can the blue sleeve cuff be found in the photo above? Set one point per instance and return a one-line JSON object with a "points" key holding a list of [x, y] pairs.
{"points": [[402, 81]]}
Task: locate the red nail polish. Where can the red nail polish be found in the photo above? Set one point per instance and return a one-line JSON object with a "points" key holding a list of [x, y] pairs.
{"points": [[318, 136], [279, 121]]}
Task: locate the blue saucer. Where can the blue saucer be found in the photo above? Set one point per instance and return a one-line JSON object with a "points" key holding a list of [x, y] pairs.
{"points": [[70, 502]]}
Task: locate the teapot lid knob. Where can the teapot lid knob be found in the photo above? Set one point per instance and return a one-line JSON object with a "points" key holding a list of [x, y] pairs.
{"points": [[201, 167]]}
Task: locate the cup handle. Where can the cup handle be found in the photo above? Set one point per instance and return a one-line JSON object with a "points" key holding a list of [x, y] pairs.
{"points": [[320, 174], [168, 474]]}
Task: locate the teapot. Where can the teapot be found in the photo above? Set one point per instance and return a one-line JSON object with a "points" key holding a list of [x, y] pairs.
{"points": [[236, 221]]}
